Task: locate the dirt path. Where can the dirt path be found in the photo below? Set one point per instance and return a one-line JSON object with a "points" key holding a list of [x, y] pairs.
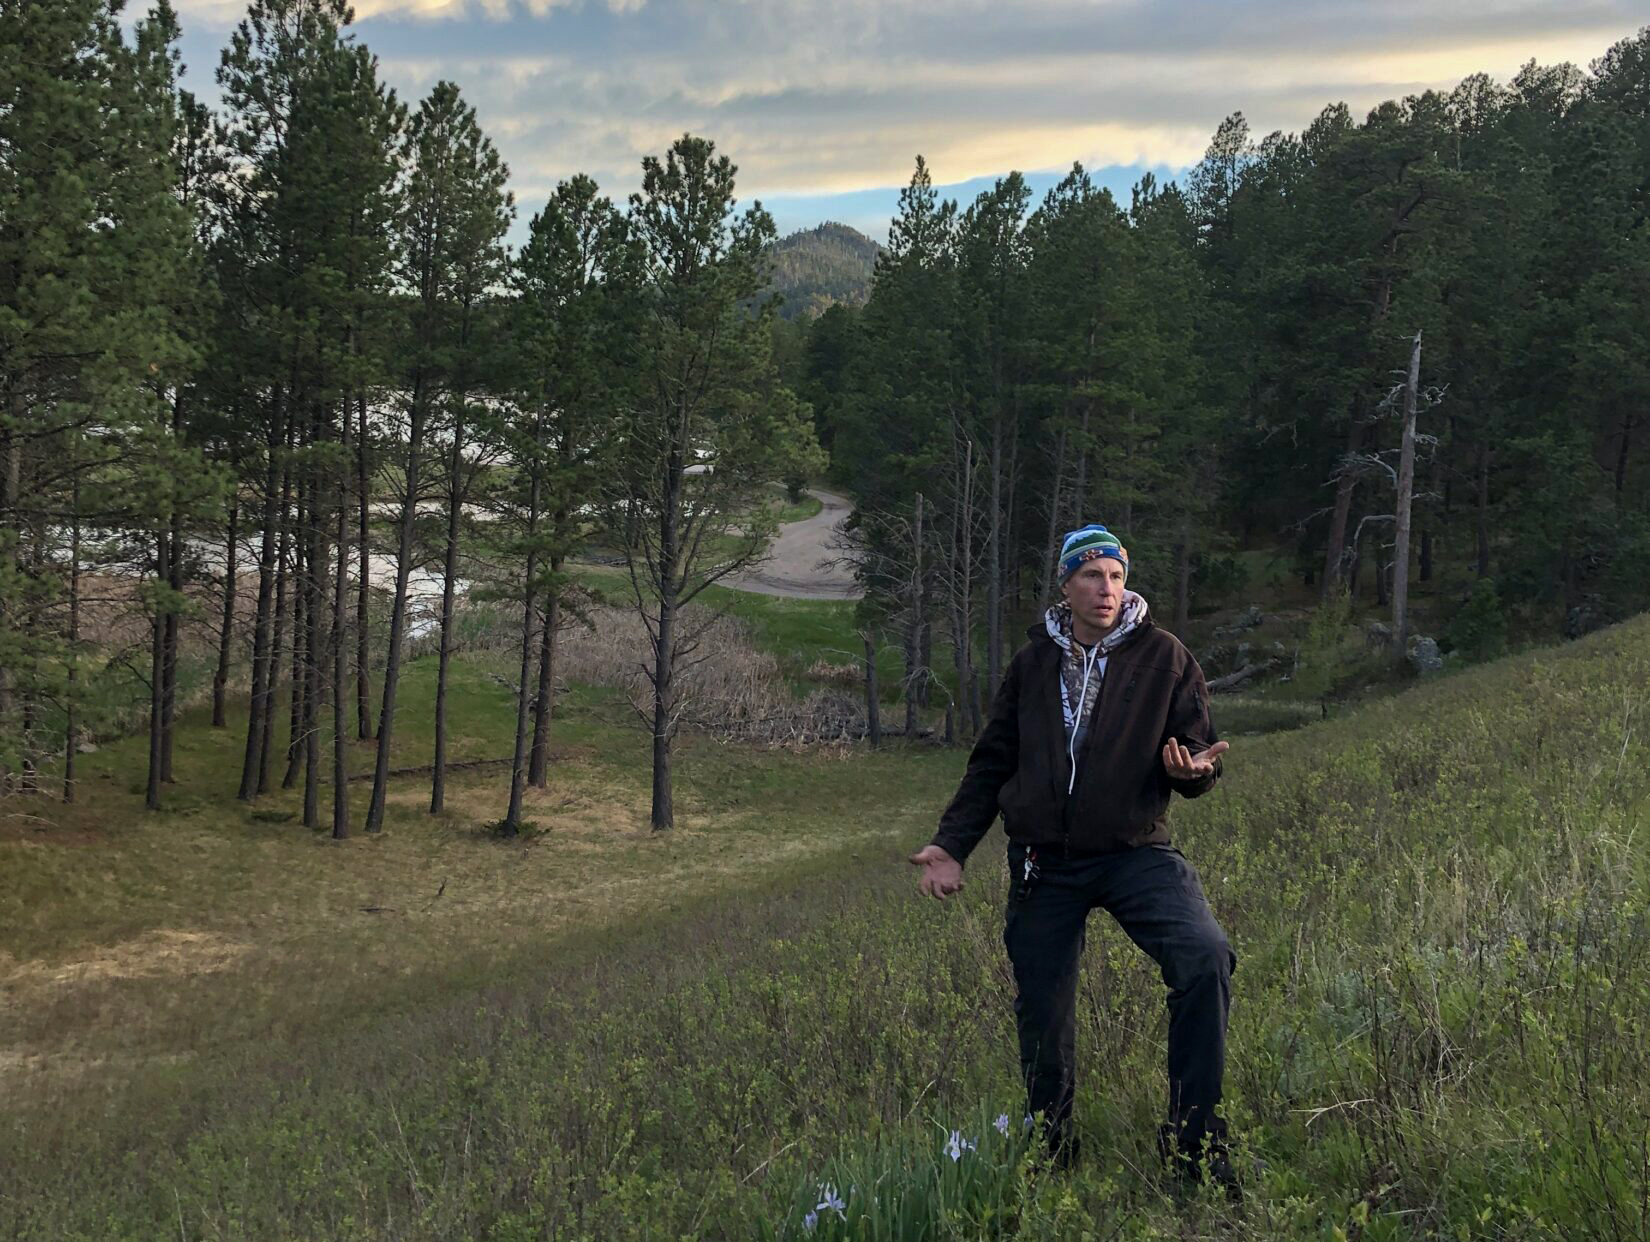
{"points": [[800, 561]]}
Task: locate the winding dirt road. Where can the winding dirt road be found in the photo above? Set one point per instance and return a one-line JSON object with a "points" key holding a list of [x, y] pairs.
{"points": [[800, 562]]}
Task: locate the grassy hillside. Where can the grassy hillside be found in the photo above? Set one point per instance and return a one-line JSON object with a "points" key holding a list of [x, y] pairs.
{"points": [[1441, 1023]]}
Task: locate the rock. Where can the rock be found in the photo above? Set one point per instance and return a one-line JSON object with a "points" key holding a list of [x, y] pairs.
{"points": [[1424, 656], [1248, 619], [1582, 618], [1243, 650], [1278, 649], [85, 747], [1216, 659], [1377, 635]]}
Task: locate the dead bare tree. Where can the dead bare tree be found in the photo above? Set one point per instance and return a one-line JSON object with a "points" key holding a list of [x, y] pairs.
{"points": [[1406, 486], [958, 571]]}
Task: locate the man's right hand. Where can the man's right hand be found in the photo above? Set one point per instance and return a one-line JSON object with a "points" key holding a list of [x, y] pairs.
{"points": [[941, 873]]}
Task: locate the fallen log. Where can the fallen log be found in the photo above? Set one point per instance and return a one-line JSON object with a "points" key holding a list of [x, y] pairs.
{"points": [[1233, 680]]}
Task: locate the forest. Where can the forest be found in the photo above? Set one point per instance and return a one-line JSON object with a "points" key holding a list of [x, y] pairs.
{"points": [[277, 390]]}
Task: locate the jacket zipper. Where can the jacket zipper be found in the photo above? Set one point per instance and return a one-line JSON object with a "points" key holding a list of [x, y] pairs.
{"points": [[1088, 744]]}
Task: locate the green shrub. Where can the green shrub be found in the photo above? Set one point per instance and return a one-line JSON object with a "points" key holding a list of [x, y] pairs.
{"points": [[1479, 630]]}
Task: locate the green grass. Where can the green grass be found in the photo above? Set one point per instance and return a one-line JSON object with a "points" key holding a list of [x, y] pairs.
{"points": [[801, 511], [1441, 1023]]}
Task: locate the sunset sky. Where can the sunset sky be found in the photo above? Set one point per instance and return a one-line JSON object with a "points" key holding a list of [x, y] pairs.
{"points": [[825, 105]]}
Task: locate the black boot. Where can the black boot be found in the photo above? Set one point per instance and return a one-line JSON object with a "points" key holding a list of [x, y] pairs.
{"points": [[1061, 1148], [1192, 1157]]}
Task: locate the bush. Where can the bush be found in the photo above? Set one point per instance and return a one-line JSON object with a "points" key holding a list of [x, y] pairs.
{"points": [[1332, 653], [1479, 630], [1218, 575]]}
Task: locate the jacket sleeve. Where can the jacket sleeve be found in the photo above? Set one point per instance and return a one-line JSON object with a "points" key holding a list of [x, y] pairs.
{"points": [[995, 756], [1190, 725]]}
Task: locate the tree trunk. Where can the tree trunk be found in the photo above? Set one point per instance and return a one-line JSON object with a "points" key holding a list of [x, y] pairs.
{"points": [[174, 581], [538, 766], [277, 648], [398, 613], [1628, 424], [455, 494], [664, 652], [1427, 535], [258, 713], [873, 717], [70, 729], [1183, 577], [340, 610], [962, 591], [1080, 490], [11, 479], [157, 682], [315, 563], [1406, 490], [296, 710], [1011, 527], [220, 677], [1483, 509], [529, 612], [925, 651], [913, 621], [169, 660], [363, 632], [994, 558], [1334, 559], [663, 814], [1051, 545]]}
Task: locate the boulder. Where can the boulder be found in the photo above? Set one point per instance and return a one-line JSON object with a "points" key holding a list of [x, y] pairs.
{"points": [[1377, 635], [1424, 656], [1583, 618]]}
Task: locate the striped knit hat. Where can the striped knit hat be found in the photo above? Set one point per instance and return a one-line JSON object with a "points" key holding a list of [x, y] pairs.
{"points": [[1087, 544]]}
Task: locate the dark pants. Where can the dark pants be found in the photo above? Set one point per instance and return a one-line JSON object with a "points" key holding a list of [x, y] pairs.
{"points": [[1155, 896]]}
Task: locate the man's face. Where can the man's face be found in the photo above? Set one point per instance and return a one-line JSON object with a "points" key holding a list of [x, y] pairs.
{"points": [[1095, 593]]}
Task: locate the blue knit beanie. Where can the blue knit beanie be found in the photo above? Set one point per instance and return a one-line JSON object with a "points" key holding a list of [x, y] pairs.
{"points": [[1090, 543]]}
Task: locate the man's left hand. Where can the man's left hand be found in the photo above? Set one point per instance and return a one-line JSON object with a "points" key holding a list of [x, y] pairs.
{"points": [[1183, 765]]}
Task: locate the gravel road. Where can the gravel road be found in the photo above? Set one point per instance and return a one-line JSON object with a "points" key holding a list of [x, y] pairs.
{"points": [[799, 564]]}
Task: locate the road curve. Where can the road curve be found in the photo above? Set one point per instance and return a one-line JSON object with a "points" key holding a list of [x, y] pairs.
{"points": [[801, 561]]}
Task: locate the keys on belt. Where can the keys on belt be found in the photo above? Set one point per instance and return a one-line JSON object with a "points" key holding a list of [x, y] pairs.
{"points": [[1028, 875]]}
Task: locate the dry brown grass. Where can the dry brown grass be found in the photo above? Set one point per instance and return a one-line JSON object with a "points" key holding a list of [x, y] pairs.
{"points": [[179, 937], [726, 686]]}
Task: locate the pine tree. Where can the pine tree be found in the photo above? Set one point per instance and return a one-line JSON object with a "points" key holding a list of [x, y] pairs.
{"points": [[710, 427], [576, 284]]}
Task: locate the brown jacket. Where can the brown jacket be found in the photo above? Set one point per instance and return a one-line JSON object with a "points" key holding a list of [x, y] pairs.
{"points": [[1153, 690]]}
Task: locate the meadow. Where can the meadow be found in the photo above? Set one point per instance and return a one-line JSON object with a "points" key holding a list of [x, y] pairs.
{"points": [[218, 1025]]}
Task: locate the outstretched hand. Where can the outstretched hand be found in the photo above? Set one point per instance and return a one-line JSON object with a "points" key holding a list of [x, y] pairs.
{"points": [[1183, 765], [941, 873]]}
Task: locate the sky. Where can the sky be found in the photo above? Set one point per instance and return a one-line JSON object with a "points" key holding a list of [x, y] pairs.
{"points": [[824, 106]]}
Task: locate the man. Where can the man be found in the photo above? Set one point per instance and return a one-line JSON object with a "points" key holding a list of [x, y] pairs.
{"points": [[1099, 718]]}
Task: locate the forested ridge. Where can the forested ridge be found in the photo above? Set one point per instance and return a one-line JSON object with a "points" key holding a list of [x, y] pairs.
{"points": [[817, 268], [268, 370]]}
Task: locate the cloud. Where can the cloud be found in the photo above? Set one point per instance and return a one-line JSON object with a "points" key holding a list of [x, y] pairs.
{"points": [[812, 97]]}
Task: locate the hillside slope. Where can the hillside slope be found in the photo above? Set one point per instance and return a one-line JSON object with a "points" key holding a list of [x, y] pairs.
{"points": [[1441, 1024]]}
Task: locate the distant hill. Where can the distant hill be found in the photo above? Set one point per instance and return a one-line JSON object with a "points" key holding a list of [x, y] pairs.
{"points": [[820, 267]]}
